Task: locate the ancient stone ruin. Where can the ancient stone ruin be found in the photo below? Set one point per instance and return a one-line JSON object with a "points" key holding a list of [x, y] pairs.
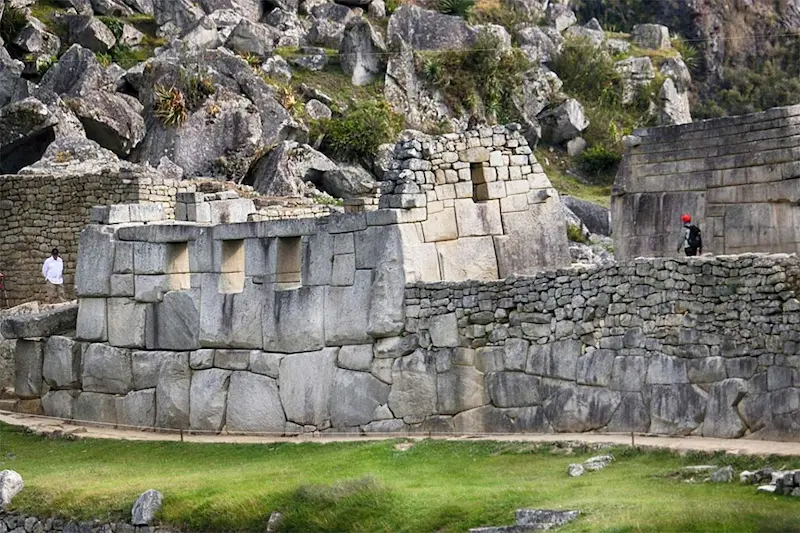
{"points": [[737, 176]]}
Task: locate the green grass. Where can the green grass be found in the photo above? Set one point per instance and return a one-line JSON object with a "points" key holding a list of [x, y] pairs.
{"points": [[372, 487], [555, 163]]}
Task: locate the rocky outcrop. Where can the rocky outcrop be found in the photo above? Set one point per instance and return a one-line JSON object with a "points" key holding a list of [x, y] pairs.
{"points": [[429, 30], [285, 170], [563, 122], [113, 120], [26, 129], [362, 53]]}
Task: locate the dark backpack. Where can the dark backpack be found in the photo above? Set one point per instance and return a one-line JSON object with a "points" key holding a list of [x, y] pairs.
{"points": [[694, 239]]}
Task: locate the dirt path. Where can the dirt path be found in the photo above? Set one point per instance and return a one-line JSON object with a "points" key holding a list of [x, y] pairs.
{"points": [[733, 446]]}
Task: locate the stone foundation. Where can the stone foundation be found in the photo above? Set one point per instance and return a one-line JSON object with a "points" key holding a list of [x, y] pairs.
{"points": [[707, 346]]}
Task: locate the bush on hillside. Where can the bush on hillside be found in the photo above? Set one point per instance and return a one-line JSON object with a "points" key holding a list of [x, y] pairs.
{"points": [[12, 23], [358, 133], [461, 8], [485, 76]]}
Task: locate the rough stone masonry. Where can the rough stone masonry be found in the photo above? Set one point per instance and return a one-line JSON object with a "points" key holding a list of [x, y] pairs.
{"points": [[739, 177]]}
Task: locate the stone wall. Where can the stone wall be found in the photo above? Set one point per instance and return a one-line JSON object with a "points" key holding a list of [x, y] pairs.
{"points": [[19, 522], [705, 346], [38, 213], [739, 177]]}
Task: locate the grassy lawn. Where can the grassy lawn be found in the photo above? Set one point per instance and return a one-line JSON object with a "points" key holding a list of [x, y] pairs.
{"points": [[373, 487], [555, 164]]}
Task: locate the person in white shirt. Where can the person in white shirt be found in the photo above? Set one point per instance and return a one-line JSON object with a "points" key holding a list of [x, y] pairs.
{"points": [[53, 272]]}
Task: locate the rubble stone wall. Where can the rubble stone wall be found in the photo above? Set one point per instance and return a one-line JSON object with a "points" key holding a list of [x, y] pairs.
{"points": [[707, 346], [38, 213], [739, 177]]}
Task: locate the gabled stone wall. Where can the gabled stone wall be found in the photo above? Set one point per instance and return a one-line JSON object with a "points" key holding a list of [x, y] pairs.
{"points": [[739, 177]]}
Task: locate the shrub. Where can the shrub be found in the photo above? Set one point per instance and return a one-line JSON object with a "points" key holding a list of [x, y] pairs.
{"points": [[12, 23], [113, 24], [688, 52], [599, 161], [392, 6], [170, 105], [198, 89], [461, 8], [502, 15], [575, 234], [357, 134], [484, 74]]}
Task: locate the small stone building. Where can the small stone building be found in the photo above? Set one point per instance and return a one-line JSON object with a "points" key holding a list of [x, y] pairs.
{"points": [[739, 177]]}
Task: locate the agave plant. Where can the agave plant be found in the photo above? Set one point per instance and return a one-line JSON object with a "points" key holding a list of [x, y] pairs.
{"points": [[462, 8], [170, 105]]}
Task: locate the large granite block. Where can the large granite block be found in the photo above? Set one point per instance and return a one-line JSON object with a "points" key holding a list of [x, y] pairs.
{"points": [[254, 404], [137, 409], [208, 399], [354, 398], [386, 310], [413, 385], [95, 262], [126, 323], [467, 258], [59, 403], [62, 363], [92, 324], [146, 366], [61, 319], [95, 407], [293, 320], [305, 383], [534, 240], [28, 360], [172, 393], [347, 311], [231, 320], [476, 219], [174, 324], [107, 369], [459, 389]]}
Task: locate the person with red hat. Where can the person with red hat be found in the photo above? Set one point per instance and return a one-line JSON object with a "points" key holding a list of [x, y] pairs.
{"points": [[691, 240]]}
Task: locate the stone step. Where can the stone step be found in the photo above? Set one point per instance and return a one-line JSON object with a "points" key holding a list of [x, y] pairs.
{"points": [[8, 405]]}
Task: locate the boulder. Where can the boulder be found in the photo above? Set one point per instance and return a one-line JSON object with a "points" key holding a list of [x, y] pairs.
{"points": [[313, 59], [113, 120], [61, 319], [362, 53], [560, 16], [593, 24], [173, 394], [202, 36], [334, 13], [305, 383], [575, 470], [564, 122], [11, 484], [34, 39], [540, 88], [278, 68], [26, 129], [676, 69], [77, 72], [76, 156], [651, 36], [534, 9], [292, 29], [349, 181], [540, 45], [253, 39], [173, 17], [254, 404], [354, 398], [325, 33], [111, 8], [423, 29], [722, 475], [377, 9], [223, 132], [595, 217], [208, 399], [285, 169], [90, 33], [316, 110], [674, 107], [541, 519], [147, 505], [593, 37], [617, 47], [636, 72]]}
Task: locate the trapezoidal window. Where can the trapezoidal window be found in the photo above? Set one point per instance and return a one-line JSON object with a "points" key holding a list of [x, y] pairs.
{"points": [[479, 179], [231, 279], [289, 263], [178, 266]]}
